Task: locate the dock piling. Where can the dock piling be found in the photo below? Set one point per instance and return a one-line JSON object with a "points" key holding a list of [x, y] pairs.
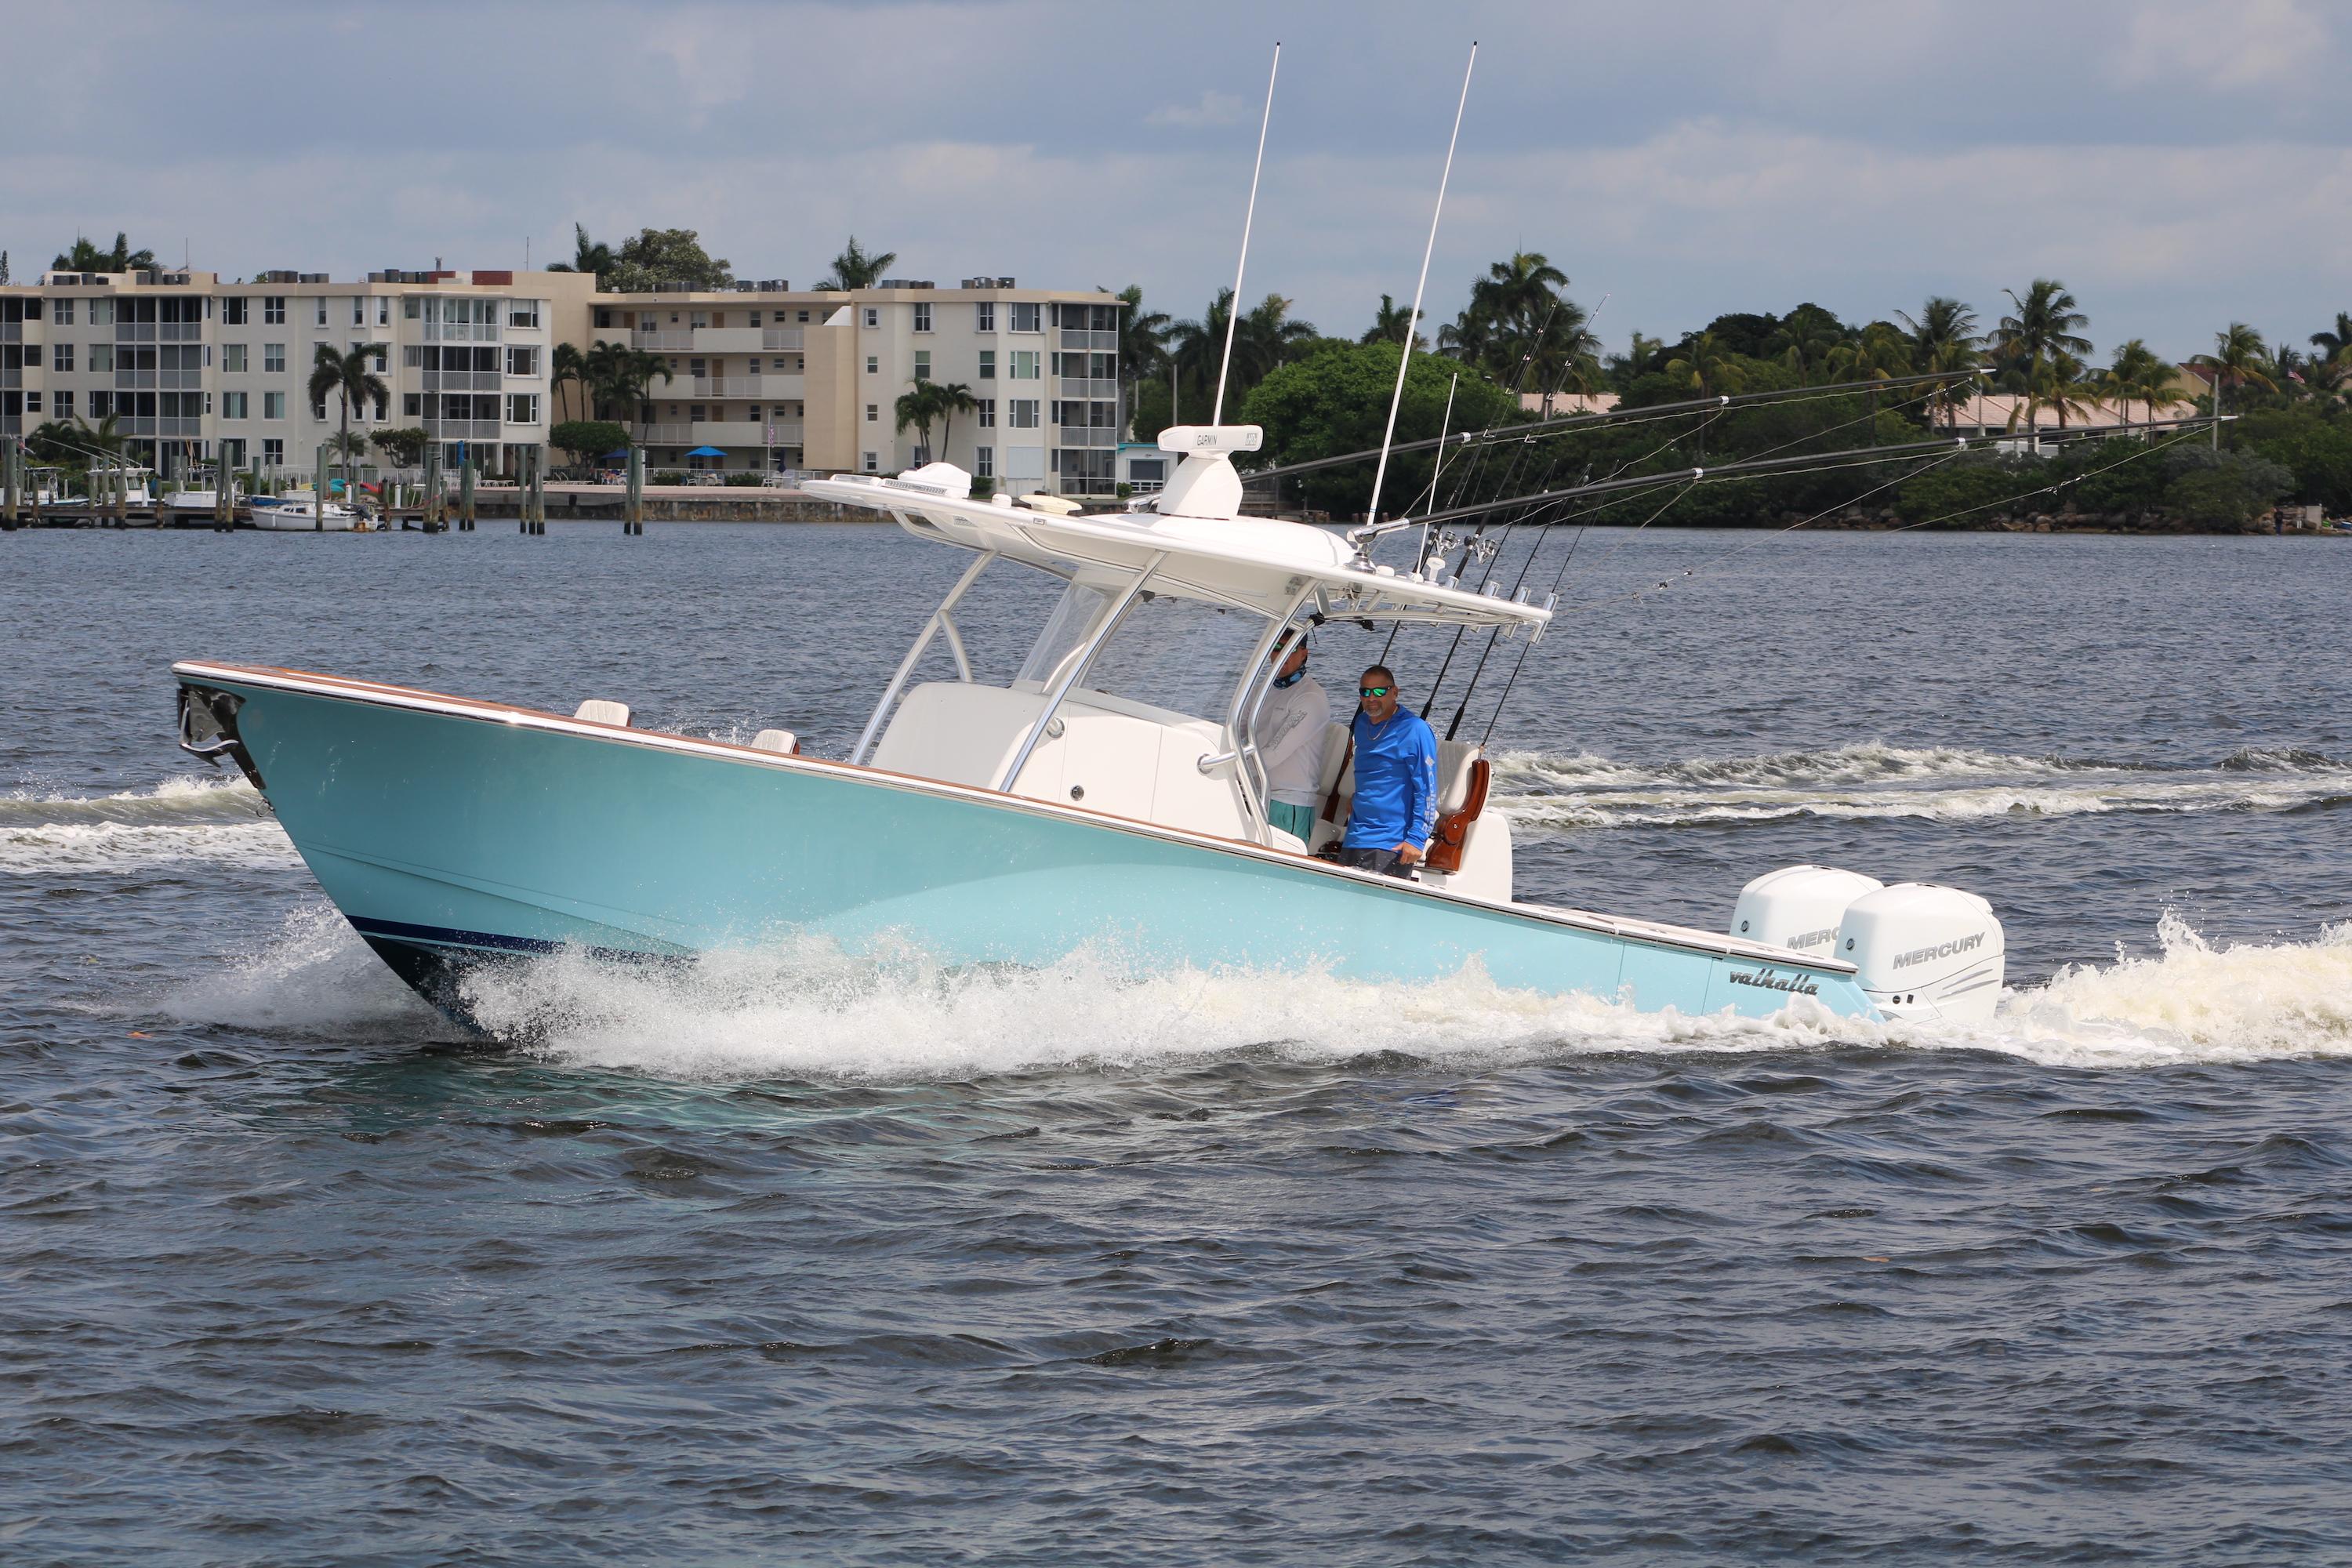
{"points": [[633, 511], [12, 464], [465, 495]]}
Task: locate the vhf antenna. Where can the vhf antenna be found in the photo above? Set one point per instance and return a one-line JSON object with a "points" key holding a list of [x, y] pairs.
{"points": [[1233, 311], [1381, 473]]}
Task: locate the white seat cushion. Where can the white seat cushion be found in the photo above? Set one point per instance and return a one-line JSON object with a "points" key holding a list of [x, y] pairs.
{"points": [[596, 710], [782, 741]]}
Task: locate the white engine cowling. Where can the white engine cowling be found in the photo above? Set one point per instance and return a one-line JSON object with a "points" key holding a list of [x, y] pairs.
{"points": [[1925, 953], [1799, 907]]}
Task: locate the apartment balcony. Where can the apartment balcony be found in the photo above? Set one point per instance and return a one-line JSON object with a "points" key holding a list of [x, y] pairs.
{"points": [[1077, 338], [1088, 436], [461, 381], [729, 433], [719, 340], [468, 430], [1104, 389]]}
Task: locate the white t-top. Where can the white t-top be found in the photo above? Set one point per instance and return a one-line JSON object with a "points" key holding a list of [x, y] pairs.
{"points": [[1293, 728]]}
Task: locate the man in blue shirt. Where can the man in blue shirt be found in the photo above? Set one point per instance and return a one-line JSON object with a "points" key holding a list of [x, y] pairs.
{"points": [[1395, 809]]}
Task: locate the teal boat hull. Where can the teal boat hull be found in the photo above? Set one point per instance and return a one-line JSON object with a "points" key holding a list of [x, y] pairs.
{"points": [[452, 833]]}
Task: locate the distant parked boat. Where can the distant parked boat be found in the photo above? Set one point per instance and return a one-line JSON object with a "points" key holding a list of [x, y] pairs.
{"points": [[302, 514]]}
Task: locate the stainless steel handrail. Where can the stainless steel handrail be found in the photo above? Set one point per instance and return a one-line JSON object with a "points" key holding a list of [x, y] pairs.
{"points": [[865, 737], [1076, 667]]}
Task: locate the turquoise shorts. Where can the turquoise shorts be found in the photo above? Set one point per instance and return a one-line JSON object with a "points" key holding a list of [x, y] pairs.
{"points": [[1299, 821]]}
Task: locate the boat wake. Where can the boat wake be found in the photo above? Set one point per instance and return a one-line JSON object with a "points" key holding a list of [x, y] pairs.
{"points": [[1873, 781], [802, 1008], [187, 818]]}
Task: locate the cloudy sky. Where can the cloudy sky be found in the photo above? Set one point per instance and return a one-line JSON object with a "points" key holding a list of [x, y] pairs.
{"points": [[2178, 164]]}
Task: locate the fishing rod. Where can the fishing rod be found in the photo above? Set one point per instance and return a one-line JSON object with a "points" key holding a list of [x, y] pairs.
{"points": [[1615, 416], [1363, 535]]}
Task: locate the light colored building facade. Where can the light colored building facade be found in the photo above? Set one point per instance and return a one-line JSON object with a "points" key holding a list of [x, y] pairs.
{"points": [[193, 368], [811, 380]]}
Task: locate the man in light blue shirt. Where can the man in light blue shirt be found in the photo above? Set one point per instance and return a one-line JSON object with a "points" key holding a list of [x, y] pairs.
{"points": [[1395, 807]]}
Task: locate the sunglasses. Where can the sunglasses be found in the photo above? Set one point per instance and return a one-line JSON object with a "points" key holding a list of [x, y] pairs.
{"points": [[1374, 691]]}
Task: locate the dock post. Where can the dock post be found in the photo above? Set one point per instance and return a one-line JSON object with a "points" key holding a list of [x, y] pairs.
{"points": [[319, 505], [224, 496], [633, 511], [538, 490], [430, 503], [121, 495], [465, 495], [9, 461]]}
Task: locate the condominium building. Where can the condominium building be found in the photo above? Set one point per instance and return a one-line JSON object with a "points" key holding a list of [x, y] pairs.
{"points": [[773, 377], [191, 367]]}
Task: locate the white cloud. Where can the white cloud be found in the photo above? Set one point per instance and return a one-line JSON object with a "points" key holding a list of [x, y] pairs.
{"points": [[1213, 109], [2202, 47]]}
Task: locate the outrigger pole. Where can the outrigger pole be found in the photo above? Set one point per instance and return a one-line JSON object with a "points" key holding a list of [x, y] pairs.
{"points": [[1249, 216], [1413, 318], [1952, 443], [1630, 415]]}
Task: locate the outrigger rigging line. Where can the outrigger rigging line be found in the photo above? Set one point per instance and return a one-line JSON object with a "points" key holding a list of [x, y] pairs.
{"points": [[1613, 416]]}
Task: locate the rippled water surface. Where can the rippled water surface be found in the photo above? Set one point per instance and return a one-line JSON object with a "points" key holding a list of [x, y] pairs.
{"points": [[798, 1254]]}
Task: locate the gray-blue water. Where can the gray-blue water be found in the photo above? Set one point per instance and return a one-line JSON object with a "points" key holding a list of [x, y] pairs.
{"points": [[788, 1258]]}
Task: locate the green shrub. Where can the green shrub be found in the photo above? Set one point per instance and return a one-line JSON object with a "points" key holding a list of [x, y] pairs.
{"points": [[749, 477], [667, 477]]}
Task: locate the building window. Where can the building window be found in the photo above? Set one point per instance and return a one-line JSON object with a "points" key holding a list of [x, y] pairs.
{"points": [[873, 462], [983, 316], [412, 306], [101, 404], [384, 310], [61, 404], [522, 313], [233, 357], [273, 451], [522, 408], [322, 310], [63, 314], [987, 413], [61, 356], [233, 310], [359, 309], [755, 318], [1026, 319], [1024, 365], [1021, 414], [803, 315], [412, 405], [273, 309], [32, 402], [923, 316], [874, 364], [232, 405], [988, 364], [983, 462], [101, 358], [522, 359], [273, 406], [273, 358], [873, 413], [379, 356], [696, 414], [922, 364]]}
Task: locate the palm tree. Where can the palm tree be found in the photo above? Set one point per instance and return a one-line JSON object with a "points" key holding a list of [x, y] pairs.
{"points": [[1197, 347], [852, 268], [638, 370], [87, 258], [2045, 324], [1705, 367], [1520, 289], [919, 406], [1268, 338], [2140, 373], [593, 257], [605, 375], [2239, 356], [1389, 324], [1879, 352], [346, 376], [567, 366], [1142, 345], [2334, 347], [1943, 338], [951, 398]]}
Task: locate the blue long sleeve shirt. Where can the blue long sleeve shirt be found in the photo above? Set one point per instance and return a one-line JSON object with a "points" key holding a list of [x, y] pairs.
{"points": [[1396, 783]]}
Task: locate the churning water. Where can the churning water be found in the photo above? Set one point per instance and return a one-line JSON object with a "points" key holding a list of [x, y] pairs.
{"points": [[793, 1253]]}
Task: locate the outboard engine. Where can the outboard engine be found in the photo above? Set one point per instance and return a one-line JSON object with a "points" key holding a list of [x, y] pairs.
{"points": [[1926, 953], [1799, 907]]}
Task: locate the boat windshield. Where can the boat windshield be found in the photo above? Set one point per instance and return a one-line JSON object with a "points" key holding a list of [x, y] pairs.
{"points": [[1176, 654]]}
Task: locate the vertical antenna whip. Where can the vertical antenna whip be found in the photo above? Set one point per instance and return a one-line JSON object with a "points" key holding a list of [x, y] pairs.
{"points": [[1233, 311], [1381, 473]]}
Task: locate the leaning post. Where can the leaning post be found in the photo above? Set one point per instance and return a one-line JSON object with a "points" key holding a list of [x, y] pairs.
{"points": [[633, 511]]}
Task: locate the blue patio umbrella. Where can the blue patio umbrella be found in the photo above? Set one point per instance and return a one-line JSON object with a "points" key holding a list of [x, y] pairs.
{"points": [[706, 452], [615, 452]]}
